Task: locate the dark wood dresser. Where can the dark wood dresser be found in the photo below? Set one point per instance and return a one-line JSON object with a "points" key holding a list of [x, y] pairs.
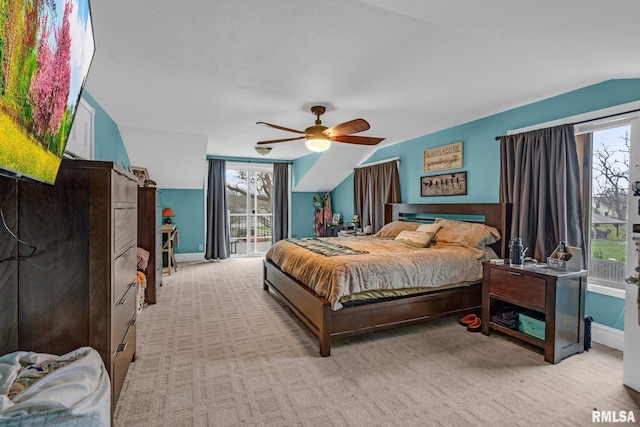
{"points": [[79, 288], [556, 297], [150, 237]]}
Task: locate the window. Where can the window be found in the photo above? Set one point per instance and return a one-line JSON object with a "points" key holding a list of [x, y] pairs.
{"points": [[605, 149]]}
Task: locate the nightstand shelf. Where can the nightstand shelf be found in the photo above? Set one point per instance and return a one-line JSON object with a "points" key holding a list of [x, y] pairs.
{"points": [[517, 334], [556, 296]]}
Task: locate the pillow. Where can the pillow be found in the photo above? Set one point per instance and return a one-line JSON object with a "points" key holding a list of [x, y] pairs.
{"points": [[429, 228], [469, 234], [418, 239], [394, 228]]}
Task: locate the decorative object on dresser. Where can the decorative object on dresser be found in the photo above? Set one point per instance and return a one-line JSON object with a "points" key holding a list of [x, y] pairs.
{"points": [[547, 303], [150, 238], [80, 288], [141, 173]]}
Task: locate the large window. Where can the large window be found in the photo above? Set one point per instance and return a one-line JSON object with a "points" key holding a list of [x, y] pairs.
{"points": [[606, 201]]}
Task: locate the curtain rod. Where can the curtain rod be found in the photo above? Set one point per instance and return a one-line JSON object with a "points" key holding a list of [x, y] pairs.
{"points": [[397, 159], [594, 119]]}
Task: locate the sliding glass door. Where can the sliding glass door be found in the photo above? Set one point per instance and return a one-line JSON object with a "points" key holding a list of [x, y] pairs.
{"points": [[249, 189]]}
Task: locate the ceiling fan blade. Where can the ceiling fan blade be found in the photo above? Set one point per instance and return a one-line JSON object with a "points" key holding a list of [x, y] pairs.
{"points": [[281, 127], [362, 140], [346, 128], [280, 140]]}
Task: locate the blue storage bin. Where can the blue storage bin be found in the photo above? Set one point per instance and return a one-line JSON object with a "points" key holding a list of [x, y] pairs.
{"points": [[531, 326]]}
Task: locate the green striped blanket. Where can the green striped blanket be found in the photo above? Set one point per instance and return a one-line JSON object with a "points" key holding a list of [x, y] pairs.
{"points": [[324, 247]]}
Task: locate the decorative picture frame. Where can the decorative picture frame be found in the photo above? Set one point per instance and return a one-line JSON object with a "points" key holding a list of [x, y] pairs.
{"points": [[141, 173], [447, 184], [336, 219], [444, 157]]}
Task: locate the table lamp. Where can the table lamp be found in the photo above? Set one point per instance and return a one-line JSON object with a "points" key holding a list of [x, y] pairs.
{"points": [[168, 213]]}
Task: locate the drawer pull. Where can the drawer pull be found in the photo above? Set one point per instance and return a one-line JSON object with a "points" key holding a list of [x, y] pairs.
{"points": [[123, 301], [513, 273], [121, 347]]}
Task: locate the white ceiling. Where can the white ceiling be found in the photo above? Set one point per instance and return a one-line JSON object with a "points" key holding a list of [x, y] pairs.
{"points": [[214, 68]]}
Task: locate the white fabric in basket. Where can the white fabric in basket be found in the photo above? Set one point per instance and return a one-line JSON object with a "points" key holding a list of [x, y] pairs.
{"points": [[76, 394]]}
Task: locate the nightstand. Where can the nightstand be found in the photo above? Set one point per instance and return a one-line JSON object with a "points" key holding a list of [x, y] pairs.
{"points": [[556, 297]]}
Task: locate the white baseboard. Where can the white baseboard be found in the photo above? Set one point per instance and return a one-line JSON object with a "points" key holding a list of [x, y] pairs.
{"points": [[605, 335], [197, 256]]}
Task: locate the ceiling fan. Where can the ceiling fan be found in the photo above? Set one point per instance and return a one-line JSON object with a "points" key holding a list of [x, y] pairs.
{"points": [[319, 137]]}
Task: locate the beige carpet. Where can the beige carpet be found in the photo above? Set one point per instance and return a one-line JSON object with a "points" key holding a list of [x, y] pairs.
{"points": [[217, 350]]}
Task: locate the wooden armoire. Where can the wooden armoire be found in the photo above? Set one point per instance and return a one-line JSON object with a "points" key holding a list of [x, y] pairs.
{"points": [[150, 238]]}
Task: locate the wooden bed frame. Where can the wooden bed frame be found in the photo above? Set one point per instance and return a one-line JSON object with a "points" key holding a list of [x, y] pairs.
{"points": [[315, 311]]}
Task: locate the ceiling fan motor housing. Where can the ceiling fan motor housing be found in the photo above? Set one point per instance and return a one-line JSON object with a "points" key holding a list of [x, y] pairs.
{"points": [[315, 132]]}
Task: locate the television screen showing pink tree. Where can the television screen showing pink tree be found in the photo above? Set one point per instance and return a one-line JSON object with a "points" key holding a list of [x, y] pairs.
{"points": [[46, 48]]}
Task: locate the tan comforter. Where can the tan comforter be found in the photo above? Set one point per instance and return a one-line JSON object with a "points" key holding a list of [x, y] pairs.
{"points": [[389, 264]]}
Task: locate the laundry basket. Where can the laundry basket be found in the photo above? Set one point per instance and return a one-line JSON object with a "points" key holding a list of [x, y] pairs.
{"points": [[38, 389]]}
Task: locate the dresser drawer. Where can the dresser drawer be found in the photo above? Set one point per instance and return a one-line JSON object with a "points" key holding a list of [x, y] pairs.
{"points": [[124, 312], [124, 189], [124, 273], [125, 227], [121, 361], [518, 286]]}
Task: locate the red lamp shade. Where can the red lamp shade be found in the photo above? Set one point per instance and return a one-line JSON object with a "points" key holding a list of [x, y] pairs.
{"points": [[168, 213]]}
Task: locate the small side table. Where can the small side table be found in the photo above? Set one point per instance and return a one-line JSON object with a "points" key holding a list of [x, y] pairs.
{"points": [[169, 241], [558, 296]]}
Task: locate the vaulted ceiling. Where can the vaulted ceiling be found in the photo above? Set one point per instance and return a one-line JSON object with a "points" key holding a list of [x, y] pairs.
{"points": [[213, 68]]}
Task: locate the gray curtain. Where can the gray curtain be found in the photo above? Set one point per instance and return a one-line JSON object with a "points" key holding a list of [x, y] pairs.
{"points": [[373, 187], [217, 234], [280, 228], [540, 175]]}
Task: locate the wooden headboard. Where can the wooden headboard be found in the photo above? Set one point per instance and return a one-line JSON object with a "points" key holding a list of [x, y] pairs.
{"points": [[497, 215]]}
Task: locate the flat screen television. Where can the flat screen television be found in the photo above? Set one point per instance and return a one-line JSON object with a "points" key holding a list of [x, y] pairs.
{"points": [[46, 49]]}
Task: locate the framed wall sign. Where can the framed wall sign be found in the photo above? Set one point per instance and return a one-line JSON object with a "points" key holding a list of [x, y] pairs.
{"points": [[443, 158], [448, 184]]}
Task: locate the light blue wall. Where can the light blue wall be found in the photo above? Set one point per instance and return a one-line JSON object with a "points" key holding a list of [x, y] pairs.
{"points": [[302, 214], [482, 161], [188, 205], [108, 144], [605, 310], [481, 151]]}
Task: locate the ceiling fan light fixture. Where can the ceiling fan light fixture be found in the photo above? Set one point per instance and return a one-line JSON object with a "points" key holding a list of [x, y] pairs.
{"points": [[263, 150], [318, 144]]}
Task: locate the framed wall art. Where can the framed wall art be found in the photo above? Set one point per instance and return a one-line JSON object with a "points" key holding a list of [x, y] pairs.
{"points": [[443, 158], [447, 184]]}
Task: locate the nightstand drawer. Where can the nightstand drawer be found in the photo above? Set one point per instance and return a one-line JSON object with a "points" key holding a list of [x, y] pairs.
{"points": [[517, 286]]}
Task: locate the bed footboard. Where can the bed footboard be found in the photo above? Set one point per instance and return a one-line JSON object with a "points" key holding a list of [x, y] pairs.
{"points": [[312, 309]]}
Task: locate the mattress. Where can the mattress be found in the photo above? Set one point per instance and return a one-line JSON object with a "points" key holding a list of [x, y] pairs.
{"points": [[378, 266]]}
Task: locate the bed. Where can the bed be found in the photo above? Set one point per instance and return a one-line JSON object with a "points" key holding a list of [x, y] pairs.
{"points": [[331, 315]]}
